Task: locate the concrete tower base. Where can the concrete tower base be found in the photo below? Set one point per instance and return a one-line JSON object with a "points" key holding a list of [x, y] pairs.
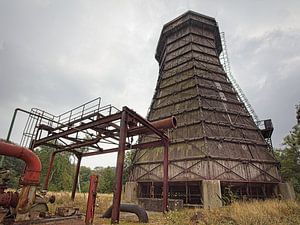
{"points": [[211, 194], [286, 191], [131, 192]]}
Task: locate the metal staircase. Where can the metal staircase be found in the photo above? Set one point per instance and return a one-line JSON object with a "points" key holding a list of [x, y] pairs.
{"points": [[41, 124], [226, 65], [265, 126]]}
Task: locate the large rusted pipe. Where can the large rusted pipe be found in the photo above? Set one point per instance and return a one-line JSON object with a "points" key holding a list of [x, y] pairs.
{"points": [[30, 179], [33, 164], [164, 124]]}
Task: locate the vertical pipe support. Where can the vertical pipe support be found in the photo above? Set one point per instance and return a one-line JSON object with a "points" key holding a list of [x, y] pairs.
{"points": [[165, 176], [90, 208], [119, 169], [12, 124], [9, 133], [50, 167], [75, 181]]}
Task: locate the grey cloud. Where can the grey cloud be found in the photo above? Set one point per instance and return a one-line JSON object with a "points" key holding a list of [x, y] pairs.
{"points": [[267, 67]]}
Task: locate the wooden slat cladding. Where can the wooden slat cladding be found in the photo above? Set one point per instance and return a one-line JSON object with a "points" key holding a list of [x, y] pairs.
{"points": [[216, 138], [195, 170]]}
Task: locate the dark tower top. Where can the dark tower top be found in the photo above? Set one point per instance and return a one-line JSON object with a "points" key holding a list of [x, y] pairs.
{"points": [[216, 137], [185, 20]]}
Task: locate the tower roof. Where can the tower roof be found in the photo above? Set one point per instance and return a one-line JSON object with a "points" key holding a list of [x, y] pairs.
{"points": [[184, 20]]}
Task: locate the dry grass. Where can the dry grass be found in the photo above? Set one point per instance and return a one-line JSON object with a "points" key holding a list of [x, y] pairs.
{"points": [[271, 212], [64, 199]]}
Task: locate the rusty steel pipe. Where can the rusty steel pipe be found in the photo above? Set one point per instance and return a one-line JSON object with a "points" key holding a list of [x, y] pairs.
{"points": [[164, 124], [30, 179], [33, 168]]}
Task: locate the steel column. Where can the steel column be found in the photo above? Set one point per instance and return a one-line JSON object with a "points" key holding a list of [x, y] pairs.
{"points": [[119, 169], [90, 208], [46, 182], [165, 178], [75, 182]]}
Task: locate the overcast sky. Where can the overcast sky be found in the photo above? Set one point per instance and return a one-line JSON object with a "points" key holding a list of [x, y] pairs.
{"points": [[55, 55]]}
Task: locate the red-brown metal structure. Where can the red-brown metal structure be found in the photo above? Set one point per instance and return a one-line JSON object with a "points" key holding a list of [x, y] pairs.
{"points": [[33, 167], [30, 179], [93, 130], [90, 208]]}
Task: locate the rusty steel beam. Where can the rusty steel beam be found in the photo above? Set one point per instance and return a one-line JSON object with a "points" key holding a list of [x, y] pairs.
{"points": [[50, 167], [76, 121], [82, 144], [24, 111], [163, 124], [82, 127], [75, 181], [151, 144], [90, 208], [119, 169]]}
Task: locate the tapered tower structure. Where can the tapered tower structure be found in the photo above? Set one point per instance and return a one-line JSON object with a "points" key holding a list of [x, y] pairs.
{"points": [[217, 143]]}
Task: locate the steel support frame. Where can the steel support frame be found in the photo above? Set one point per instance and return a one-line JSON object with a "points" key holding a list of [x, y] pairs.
{"points": [[76, 177], [115, 216], [127, 119], [129, 115]]}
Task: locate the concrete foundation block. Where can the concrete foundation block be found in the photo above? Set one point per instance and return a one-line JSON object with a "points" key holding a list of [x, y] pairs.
{"points": [[131, 192], [211, 194], [286, 191], [155, 204]]}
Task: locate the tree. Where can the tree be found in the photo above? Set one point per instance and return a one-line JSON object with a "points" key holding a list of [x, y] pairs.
{"points": [[84, 178], [128, 162], [289, 156], [106, 179], [61, 178], [16, 167]]}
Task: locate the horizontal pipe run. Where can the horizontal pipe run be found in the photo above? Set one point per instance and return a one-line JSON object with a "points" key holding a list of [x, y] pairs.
{"points": [[164, 124]]}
